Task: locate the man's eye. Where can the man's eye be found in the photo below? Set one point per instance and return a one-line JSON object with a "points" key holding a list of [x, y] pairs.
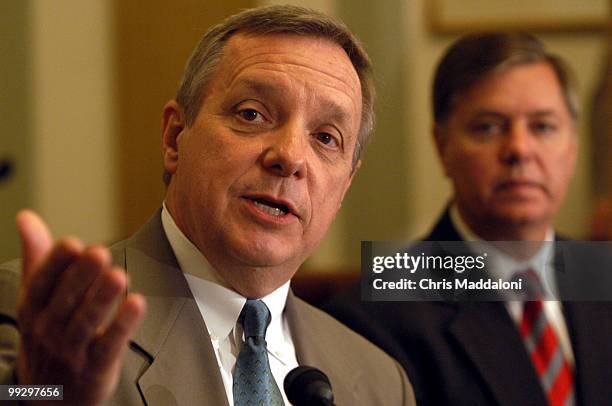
{"points": [[327, 139], [543, 127], [485, 128], [250, 115]]}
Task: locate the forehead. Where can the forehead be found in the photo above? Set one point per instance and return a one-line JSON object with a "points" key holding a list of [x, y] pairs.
{"points": [[518, 89], [317, 64], [307, 52]]}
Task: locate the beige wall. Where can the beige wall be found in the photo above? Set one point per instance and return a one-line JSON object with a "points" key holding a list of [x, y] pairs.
{"points": [[59, 122], [15, 189], [72, 119]]}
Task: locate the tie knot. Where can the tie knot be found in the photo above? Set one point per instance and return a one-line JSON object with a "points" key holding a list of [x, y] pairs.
{"points": [[255, 318], [532, 287]]}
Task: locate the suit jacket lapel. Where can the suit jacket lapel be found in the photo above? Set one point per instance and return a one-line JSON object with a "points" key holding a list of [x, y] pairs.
{"points": [[314, 347], [590, 328], [173, 335], [444, 229], [488, 336]]}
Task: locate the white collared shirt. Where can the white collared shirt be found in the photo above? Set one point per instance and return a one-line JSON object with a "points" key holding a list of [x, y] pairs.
{"points": [[505, 267], [220, 307]]}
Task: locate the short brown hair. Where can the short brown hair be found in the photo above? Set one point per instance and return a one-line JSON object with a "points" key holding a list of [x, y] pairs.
{"points": [[471, 58], [276, 19]]}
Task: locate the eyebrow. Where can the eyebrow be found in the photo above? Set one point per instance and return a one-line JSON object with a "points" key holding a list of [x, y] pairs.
{"points": [[334, 111], [269, 86], [544, 113], [500, 114]]}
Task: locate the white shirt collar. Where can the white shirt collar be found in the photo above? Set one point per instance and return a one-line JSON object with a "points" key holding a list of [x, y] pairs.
{"points": [[219, 304]]}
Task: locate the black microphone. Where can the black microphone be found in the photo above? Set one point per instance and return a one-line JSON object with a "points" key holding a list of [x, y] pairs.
{"points": [[308, 386]]}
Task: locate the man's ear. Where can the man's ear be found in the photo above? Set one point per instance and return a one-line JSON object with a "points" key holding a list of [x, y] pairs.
{"points": [[441, 139], [355, 169], [172, 126]]}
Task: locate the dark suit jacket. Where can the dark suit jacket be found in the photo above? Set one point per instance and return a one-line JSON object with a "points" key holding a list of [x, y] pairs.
{"points": [[171, 360], [471, 353]]}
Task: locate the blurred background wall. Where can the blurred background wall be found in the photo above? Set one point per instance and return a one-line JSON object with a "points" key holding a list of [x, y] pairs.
{"points": [[14, 121], [82, 85], [57, 117]]}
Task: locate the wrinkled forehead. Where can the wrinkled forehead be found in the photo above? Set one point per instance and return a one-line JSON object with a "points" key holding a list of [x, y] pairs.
{"points": [[311, 55]]}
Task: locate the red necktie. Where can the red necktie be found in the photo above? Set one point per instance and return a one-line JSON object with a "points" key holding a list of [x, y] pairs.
{"points": [[546, 354]]}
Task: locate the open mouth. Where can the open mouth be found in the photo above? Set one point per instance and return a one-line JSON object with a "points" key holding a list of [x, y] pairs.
{"points": [[271, 208]]}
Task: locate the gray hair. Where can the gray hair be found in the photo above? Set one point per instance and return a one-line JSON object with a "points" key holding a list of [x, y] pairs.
{"points": [[276, 19], [473, 57]]}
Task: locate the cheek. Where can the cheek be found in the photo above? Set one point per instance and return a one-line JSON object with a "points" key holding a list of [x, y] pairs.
{"points": [[561, 169], [208, 161], [472, 167], [326, 199], [562, 176], [338, 191]]}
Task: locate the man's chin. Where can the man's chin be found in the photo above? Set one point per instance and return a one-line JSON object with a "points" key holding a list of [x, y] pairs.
{"points": [[266, 254], [258, 277], [520, 216]]}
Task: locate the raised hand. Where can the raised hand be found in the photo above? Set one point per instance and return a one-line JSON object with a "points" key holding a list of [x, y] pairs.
{"points": [[74, 318]]}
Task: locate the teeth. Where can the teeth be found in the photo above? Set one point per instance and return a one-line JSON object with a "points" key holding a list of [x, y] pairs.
{"points": [[273, 211]]}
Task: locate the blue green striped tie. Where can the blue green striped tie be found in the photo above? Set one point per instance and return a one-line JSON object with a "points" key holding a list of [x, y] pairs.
{"points": [[253, 381]]}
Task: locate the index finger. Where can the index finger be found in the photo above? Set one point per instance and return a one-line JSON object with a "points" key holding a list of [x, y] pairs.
{"points": [[36, 240]]}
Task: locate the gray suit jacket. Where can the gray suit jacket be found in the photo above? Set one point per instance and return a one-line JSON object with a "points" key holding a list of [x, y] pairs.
{"points": [[171, 360]]}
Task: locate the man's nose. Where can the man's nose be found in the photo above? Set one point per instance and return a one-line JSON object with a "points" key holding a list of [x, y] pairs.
{"points": [[285, 155], [517, 145]]}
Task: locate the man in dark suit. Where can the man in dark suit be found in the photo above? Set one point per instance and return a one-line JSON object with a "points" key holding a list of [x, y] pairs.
{"points": [[259, 149], [505, 121]]}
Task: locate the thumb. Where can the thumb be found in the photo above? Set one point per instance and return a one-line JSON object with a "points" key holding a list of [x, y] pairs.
{"points": [[36, 240]]}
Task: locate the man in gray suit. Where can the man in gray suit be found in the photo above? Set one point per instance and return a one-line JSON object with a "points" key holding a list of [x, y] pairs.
{"points": [[259, 149]]}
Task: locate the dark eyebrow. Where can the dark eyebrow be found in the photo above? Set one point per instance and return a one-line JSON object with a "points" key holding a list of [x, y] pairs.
{"points": [[498, 114], [268, 88], [489, 114], [539, 113], [335, 112], [263, 86]]}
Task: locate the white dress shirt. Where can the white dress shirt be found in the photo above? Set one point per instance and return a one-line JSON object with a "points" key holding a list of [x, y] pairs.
{"points": [[504, 266], [220, 307]]}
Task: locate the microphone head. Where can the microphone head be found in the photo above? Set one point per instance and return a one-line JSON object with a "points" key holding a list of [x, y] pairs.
{"points": [[308, 386]]}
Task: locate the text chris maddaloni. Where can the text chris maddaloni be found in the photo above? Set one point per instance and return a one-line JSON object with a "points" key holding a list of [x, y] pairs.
{"points": [[456, 284], [412, 263]]}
